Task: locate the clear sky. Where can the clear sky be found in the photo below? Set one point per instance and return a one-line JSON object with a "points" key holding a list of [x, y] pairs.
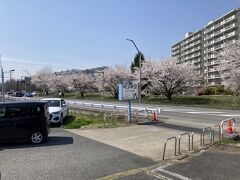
{"points": [[67, 34]]}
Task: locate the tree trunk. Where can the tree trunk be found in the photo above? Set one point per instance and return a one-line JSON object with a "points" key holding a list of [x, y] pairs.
{"points": [[169, 96], [82, 94]]}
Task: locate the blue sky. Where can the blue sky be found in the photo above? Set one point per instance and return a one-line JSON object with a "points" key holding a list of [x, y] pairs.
{"points": [[67, 34]]}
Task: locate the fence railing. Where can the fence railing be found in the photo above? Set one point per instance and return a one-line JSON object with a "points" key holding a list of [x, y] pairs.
{"points": [[100, 106]]}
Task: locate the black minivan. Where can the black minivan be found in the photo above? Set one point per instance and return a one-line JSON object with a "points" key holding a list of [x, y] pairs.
{"points": [[24, 121]]}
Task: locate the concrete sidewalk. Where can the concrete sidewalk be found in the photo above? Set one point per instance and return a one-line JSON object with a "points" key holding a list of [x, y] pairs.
{"points": [[147, 140]]}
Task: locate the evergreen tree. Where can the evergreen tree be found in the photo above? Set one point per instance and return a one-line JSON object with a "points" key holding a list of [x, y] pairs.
{"points": [[135, 63]]}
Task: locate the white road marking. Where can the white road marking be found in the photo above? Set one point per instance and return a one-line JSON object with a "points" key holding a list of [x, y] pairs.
{"points": [[171, 174], [204, 112], [230, 115]]}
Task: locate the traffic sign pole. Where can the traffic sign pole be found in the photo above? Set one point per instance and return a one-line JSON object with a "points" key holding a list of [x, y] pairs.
{"points": [[129, 111]]}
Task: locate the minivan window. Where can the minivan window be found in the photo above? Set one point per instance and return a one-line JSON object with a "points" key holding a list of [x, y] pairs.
{"points": [[14, 112], [36, 111]]}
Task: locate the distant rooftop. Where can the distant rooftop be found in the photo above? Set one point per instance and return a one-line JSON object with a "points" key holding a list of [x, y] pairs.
{"points": [[84, 71]]}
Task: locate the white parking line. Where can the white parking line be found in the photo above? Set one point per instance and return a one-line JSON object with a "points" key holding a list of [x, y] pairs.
{"points": [[171, 174]]}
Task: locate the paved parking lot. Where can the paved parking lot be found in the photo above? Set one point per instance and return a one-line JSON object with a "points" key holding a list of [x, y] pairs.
{"points": [[146, 140], [65, 156]]}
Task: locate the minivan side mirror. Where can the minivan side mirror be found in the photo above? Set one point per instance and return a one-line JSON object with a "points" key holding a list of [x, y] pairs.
{"points": [[63, 105]]}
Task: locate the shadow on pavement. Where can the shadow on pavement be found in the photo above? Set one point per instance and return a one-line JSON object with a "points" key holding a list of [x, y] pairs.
{"points": [[173, 126], [52, 141]]}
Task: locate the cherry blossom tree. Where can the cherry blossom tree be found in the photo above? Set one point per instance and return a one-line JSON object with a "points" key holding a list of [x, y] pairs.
{"points": [[167, 77], [229, 66], [59, 82], [112, 76], [82, 83], [42, 80]]}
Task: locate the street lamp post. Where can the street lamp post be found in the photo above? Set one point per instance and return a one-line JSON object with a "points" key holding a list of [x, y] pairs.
{"points": [[2, 75], [30, 77], [12, 70], [140, 71]]}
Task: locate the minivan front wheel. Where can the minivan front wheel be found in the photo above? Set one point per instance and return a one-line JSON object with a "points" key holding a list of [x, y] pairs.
{"points": [[36, 137]]}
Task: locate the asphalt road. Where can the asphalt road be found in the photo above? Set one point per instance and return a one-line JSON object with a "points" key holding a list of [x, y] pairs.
{"points": [[207, 115], [65, 156], [190, 113]]}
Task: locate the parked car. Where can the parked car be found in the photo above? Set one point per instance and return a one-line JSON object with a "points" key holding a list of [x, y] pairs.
{"points": [[34, 93], [28, 94], [58, 109], [18, 94], [24, 121], [9, 94]]}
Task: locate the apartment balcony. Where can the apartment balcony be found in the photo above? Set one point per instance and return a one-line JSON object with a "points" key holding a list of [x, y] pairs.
{"points": [[214, 77], [197, 66], [208, 44], [218, 32], [229, 19], [197, 61], [230, 34], [218, 39], [212, 70], [196, 42], [211, 63], [192, 45], [218, 47], [175, 52], [208, 30], [210, 57], [208, 36], [197, 54], [175, 47], [218, 25], [208, 50], [229, 27]]}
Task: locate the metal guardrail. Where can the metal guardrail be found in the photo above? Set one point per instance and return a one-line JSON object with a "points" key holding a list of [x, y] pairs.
{"points": [[164, 149], [179, 141], [97, 106]]}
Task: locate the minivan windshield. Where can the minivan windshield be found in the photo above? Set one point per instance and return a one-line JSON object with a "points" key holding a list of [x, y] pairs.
{"points": [[53, 103]]}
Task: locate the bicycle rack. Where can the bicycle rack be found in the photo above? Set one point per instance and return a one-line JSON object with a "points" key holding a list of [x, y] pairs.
{"points": [[192, 139], [175, 152], [213, 132], [179, 141], [203, 135]]}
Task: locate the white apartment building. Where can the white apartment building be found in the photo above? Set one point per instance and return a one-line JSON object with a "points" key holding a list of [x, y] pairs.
{"points": [[199, 48]]}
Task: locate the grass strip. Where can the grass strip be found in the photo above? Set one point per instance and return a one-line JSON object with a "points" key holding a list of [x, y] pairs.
{"points": [[91, 121]]}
